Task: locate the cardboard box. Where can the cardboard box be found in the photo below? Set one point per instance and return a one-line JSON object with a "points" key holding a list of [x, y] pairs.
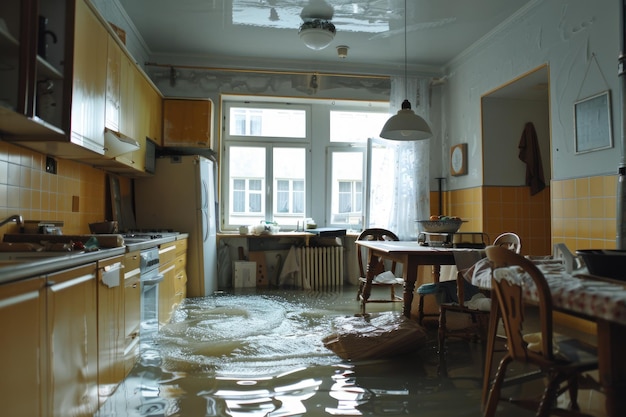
{"points": [[244, 274]]}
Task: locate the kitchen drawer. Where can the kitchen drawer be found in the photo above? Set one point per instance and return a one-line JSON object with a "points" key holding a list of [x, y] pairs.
{"points": [[167, 253], [181, 262], [131, 264], [181, 246]]}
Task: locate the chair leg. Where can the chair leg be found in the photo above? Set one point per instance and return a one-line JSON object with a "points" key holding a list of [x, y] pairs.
{"points": [[573, 392], [441, 331], [549, 397], [420, 309], [496, 387]]}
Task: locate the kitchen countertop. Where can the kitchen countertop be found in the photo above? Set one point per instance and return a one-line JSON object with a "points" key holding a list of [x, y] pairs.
{"points": [[39, 265], [31, 264]]}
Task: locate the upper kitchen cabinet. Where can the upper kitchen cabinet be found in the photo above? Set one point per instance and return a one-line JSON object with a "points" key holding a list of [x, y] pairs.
{"points": [[60, 78], [32, 71], [140, 107], [187, 123], [10, 56], [89, 79]]}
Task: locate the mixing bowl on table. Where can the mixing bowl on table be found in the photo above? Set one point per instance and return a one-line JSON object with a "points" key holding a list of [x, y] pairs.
{"points": [[440, 226]]}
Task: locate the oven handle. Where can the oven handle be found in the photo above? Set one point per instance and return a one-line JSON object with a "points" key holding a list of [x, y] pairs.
{"points": [[152, 281]]}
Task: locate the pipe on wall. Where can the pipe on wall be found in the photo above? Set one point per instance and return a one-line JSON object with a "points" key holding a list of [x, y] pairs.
{"points": [[621, 183]]}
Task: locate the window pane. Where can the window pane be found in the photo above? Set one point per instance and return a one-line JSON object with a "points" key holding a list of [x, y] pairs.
{"points": [[382, 185], [239, 202], [255, 203], [347, 186], [247, 174], [349, 126], [277, 123], [289, 177]]}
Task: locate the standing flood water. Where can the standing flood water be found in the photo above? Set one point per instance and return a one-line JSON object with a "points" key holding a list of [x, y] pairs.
{"points": [[262, 355]]}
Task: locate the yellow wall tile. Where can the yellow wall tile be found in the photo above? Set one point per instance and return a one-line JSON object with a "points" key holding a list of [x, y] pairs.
{"points": [[26, 189]]}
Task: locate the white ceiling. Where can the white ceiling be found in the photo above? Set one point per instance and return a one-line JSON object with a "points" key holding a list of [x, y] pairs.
{"points": [[264, 33]]}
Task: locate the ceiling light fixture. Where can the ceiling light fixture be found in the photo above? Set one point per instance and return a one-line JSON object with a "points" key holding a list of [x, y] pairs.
{"points": [[317, 34], [406, 125], [342, 51]]}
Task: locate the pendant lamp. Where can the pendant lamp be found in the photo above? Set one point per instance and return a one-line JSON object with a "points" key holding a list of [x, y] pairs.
{"points": [[406, 125]]}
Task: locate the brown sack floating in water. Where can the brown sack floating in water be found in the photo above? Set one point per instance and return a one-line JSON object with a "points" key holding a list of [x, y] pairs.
{"points": [[376, 337]]}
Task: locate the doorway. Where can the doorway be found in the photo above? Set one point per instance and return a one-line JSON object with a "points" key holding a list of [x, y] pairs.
{"points": [[508, 204]]}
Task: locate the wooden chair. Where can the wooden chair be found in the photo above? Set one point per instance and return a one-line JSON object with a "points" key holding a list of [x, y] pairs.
{"points": [[376, 234], [478, 310], [509, 240], [560, 359]]}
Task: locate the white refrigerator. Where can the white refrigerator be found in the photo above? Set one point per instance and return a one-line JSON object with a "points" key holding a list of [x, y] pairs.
{"points": [[181, 196]]}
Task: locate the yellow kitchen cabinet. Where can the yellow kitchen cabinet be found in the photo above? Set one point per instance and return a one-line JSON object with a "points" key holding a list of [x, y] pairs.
{"points": [[187, 123], [128, 73], [89, 79], [180, 284], [111, 322], [167, 267], [132, 309], [154, 101], [72, 343], [113, 97], [23, 350]]}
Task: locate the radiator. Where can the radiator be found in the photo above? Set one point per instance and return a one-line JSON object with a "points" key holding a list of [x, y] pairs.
{"points": [[321, 268]]}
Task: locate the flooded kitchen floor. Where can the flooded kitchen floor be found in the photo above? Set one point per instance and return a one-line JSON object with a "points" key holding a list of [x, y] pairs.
{"points": [[261, 354]]}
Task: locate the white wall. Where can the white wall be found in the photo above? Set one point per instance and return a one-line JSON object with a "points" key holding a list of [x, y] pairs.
{"points": [[503, 124], [563, 33]]}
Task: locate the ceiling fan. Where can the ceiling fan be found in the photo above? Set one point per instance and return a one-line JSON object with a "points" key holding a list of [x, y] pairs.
{"points": [[317, 31]]}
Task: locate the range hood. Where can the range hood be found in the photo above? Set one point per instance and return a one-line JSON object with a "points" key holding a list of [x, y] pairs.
{"points": [[116, 144]]}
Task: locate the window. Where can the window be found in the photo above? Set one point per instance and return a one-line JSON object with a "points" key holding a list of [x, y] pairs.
{"points": [[347, 179], [277, 162], [268, 122], [355, 126]]}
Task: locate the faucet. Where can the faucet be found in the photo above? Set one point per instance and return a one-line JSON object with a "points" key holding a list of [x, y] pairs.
{"points": [[14, 218]]}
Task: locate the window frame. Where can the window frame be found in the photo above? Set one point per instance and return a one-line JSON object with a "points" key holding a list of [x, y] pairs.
{"points": [[348, 148], [318, 149]]}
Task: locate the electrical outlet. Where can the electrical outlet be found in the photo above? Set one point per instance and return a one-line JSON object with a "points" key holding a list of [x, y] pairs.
{"points": [[51, 165]]}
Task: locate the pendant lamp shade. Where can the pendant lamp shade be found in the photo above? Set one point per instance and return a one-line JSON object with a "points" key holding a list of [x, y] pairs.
{"points": [[406, 125]]}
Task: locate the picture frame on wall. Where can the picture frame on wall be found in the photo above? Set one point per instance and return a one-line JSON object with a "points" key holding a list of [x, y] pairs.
{"points": [[592, 123]]}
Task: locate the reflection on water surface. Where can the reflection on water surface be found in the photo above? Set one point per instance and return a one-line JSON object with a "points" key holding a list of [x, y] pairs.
{"points": [[261, 355]]}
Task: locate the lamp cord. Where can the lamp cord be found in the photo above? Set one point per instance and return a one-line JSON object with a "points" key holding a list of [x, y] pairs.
{"points": [[406, 82]]}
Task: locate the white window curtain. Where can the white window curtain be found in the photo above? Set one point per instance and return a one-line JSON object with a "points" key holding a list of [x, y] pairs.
{"points": [[411, 193]]}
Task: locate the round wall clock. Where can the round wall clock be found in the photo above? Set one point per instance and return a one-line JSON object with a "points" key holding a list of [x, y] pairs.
{"points": [[458, 159]]}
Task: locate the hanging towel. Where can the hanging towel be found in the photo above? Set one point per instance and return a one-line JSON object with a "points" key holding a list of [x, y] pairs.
{"points": [[291, 269], [530, 154]]}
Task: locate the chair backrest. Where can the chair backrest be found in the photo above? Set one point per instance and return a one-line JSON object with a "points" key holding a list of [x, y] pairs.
{"points": [[511, 303], [374, 234], [509, 240]]}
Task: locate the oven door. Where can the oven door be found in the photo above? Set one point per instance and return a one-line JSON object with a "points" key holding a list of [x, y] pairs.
{"points": [[149, 306]]}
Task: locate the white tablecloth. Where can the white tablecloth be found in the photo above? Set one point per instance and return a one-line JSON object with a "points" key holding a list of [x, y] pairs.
{"points": [[578, 294]]}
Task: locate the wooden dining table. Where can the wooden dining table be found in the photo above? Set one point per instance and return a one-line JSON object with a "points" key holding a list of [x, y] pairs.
{"points": [[578, 295], [411, 255]]}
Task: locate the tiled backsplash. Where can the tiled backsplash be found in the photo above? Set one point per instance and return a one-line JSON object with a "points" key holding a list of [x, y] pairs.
{"points": [[75, 194], [578, 212], [584, 212]]}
